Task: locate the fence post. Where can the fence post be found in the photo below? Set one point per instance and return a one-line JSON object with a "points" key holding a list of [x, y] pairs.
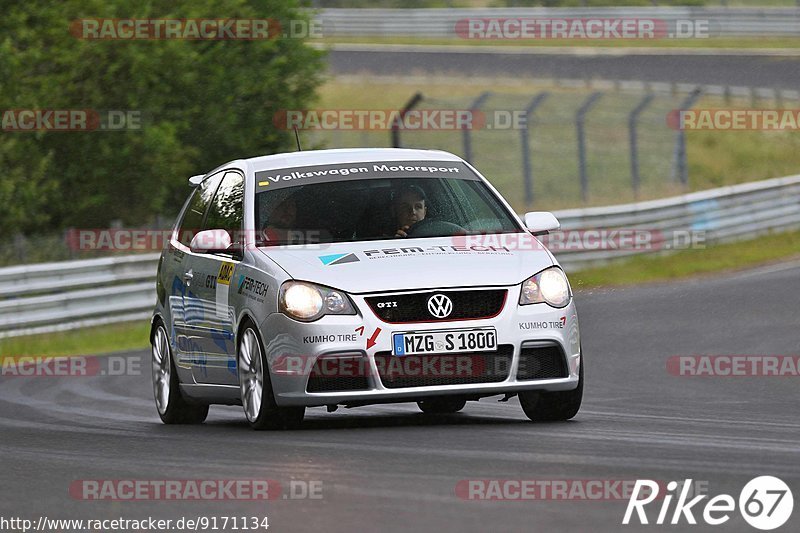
{"points": [[527, 170], [632, 133], [411, 104], [467, 131], [21, 247], [679, 170], [71, 239], [580, 118]]}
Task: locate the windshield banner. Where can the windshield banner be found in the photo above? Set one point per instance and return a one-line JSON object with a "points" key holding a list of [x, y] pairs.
{"points": [[288, 177]]}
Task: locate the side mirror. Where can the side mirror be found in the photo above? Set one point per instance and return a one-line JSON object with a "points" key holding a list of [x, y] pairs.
{"points": [[211, 241], [194, 181], [541, 222]]}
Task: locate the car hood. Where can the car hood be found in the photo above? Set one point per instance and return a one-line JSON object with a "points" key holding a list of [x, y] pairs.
{"points": [[388, 265]]}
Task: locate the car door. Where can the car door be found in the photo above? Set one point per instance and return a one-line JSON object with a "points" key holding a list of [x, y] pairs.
{"points": [[183, 303], [212, 325]]}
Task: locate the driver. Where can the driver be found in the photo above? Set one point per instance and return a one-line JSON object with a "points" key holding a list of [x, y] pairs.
{"points": [[409, 205], [281, 222]]}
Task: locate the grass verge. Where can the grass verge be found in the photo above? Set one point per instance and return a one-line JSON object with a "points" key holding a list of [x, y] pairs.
{"points": [[89, 341], [686, 263]]}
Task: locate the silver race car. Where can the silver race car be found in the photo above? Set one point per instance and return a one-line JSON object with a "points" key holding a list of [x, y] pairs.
{"points": [[355, 277]]}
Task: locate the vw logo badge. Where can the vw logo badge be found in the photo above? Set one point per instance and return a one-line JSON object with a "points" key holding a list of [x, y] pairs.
{"points": [[440, 306]]}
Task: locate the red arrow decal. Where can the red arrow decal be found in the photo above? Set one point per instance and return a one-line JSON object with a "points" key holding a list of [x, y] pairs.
{"points": [[371, 341], [360, 330]]}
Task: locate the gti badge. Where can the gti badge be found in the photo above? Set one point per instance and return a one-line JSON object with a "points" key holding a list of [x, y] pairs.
{"points": [[440, 306]]}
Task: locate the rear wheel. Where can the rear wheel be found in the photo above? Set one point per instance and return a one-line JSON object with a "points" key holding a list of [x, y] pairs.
{"points": [[171, 406], [543, 406], [442, 405], [257, 398]]}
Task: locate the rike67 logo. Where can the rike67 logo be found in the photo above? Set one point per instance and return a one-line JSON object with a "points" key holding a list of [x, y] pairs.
{"points": [[765, 503]]}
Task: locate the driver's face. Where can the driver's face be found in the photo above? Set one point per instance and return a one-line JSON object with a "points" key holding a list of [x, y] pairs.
{"points": [[410, 209], [284, 215]]}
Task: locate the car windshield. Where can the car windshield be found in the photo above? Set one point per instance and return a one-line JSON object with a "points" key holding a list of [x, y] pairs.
{"points": [[379, 208]]}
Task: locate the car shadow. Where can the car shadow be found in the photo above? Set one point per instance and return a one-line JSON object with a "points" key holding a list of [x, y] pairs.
{"points": [[319, 420]]}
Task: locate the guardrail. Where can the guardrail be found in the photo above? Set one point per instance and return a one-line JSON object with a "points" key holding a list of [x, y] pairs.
{"points": [[725, 214], [438, 23], [59, 296], [51, 297]]}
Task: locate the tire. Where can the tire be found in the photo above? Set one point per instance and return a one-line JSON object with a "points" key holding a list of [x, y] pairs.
{"points": [[542, 406], [258, 400], [443, 405], [172, 407]]}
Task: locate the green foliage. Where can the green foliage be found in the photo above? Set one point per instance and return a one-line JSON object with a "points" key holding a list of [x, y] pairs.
{"points": [[201, 103], [518, 3]]}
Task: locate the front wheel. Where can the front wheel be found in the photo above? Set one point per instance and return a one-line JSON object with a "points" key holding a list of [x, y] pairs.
{"points": [[442, 405], [257, 398], [542, 406], [171, 406]]}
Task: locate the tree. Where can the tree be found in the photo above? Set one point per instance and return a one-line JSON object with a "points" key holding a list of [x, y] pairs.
{"points": [[200, 102]]}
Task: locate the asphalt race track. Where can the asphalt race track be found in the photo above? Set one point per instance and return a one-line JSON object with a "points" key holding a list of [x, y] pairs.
{"points": [[734, 70], [392, 468]]}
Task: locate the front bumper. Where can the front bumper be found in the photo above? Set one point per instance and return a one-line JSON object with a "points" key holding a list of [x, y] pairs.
{"points": [[293, 352]]}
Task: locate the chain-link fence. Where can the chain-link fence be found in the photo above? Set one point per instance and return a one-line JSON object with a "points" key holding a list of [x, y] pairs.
{"points": [[573, 144]]}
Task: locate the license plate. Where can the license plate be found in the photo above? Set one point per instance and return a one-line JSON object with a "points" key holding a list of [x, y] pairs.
{"points": [[453, 341]]}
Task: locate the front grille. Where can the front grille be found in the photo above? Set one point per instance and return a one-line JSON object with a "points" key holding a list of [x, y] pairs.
{"points": [[397, 372], [337, 374], [544, 362], [467, 305]]}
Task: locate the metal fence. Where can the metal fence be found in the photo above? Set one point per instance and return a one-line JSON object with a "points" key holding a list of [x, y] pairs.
{"points": [[71, 294], [726, 214], [441, 23], [67, 295], [574, 145], [577, 142]]}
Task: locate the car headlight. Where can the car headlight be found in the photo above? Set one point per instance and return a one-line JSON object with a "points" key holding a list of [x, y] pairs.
{"points": [[548, 286], [308, 302]]}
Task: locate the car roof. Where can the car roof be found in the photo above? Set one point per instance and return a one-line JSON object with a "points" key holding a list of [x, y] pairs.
{"points": [[327, 157], [345, 155]]}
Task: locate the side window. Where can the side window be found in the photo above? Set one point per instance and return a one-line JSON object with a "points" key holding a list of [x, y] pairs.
{"points": [[193, 218], [227, 208]]}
